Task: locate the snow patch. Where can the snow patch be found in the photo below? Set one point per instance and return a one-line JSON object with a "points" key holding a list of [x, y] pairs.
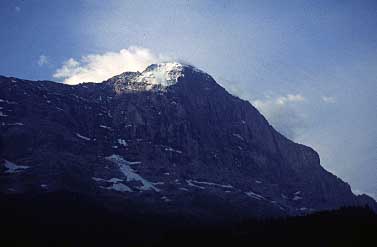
{"points": [[130, 173], [105, 127], [13, 168], [116, 184], [119, 187], [122, 142], [211, 184], [296, 198], [165, 199], [115, 180], [98, 179], [238, 136], [111, 180], [170, 149], [83, 137], [8, 102], [254, 195], [12, 124], [163, 74], [190, 183], [11, 102]]}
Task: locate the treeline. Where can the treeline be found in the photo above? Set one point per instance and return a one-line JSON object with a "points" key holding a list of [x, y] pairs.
{"points": [[68, 219]]}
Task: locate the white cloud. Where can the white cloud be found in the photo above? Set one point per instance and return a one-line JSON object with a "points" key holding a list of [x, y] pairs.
{"points": [[42, 60], [282, 100], [283, 113], [328, 99], [17, 8], [99, 67]]}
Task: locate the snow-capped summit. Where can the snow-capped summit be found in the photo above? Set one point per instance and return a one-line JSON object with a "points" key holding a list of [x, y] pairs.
{"points": [[163, 74], [157, 76]]}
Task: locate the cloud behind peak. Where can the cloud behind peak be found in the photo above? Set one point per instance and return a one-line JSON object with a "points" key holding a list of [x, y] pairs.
{"points": [[99, 67], [283, 113]]}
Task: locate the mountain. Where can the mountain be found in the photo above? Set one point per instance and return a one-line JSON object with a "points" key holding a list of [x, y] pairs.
{"points": [[166, 141]]}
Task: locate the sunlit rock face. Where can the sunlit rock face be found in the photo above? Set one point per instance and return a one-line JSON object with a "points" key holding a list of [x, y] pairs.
{"points": [[168, 140]]}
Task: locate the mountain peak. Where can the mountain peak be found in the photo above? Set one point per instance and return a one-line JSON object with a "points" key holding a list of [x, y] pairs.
{"points": [[167, 66], [155, 76], [163, 74]]}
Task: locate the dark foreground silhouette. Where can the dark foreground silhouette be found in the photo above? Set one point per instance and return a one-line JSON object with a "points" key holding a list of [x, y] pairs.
{"points": [[68, 219]]}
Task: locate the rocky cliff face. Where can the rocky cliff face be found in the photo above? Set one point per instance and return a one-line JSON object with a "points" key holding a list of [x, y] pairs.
{"points": [[168, 140]]}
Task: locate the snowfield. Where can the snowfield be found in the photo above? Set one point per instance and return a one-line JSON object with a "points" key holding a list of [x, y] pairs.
{"points": [[130, 174], [163, 74], [13, 168]]}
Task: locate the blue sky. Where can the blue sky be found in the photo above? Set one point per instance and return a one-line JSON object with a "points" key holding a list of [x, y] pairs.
{"points": [[309, 66]]}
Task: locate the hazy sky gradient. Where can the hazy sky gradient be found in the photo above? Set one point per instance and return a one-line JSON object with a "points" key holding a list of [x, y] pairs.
{"points": [[310, 66]]}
